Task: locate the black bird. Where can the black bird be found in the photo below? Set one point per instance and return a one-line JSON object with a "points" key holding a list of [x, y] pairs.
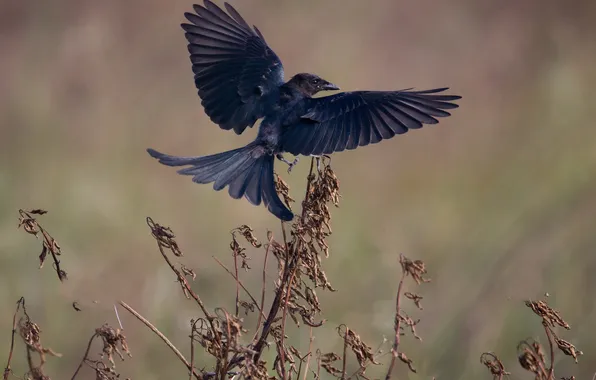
{"points": [[240, 80]]}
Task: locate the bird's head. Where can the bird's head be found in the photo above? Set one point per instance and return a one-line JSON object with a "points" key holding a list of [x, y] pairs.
{"points": [[310, 84]]}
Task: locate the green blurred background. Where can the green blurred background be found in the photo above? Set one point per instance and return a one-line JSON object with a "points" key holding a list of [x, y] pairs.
{"points": [[499, 200]]}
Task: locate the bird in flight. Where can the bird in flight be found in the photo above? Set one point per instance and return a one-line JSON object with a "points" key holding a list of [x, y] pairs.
{"points": [[240, 80]]}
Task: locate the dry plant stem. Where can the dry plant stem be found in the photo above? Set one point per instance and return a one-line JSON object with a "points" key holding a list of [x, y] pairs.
{"points": [[30, 360], [551, 369], [49, 242], [57, 268], [186, 285], [290, 263], [283, 322], [84, 356], [343, 365], [224, 366], [309, 352], [184, 282], [241, 285], [192, 348], [7, 369], [237, 283], [318, 365], [394, 350], [263, 288], [163, 337]]}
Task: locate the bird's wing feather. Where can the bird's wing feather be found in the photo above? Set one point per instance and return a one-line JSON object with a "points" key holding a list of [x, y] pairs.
{"points": [[351, 119], [236, 73]]}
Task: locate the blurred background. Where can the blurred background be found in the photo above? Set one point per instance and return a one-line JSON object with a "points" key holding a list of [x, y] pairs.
{"points": [[499, 200]]}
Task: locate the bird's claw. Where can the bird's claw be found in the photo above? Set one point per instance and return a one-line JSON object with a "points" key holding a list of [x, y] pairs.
{"points": [[290, 164]]}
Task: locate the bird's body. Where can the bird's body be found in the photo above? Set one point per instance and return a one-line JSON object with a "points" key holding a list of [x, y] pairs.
{"points": [[240, 80]]}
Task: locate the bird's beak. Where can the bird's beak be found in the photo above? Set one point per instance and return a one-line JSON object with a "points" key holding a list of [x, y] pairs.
{"points": [[330, 87]]}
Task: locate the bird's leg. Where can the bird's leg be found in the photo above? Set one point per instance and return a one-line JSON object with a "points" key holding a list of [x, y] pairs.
{"points": [[290, 164]]}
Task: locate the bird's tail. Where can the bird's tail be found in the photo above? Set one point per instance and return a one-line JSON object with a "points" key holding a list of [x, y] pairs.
{"points": [[248, 172]]}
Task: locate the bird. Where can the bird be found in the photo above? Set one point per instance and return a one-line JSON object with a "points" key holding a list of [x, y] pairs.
{"points": [[240, 80]]}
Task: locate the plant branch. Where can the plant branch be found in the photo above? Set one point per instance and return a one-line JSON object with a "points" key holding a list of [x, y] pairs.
{"points": [[84, 356], [163, 338], [394, 349], [7, 370]]}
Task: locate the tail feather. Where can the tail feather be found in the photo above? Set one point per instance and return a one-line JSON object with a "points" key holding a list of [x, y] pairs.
{"points": [[240, 184], [248, 172], [254, 187], [235, 168], [209, 170]]}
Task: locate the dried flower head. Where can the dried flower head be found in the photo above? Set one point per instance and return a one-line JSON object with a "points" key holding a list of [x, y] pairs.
{"points": [[416, 269], [328, 361], [531, 357], [364, 353], [111, 339], [548, 315], [494, 365], [164, 237]]}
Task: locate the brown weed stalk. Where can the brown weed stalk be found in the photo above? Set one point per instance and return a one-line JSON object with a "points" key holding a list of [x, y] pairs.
{"points": [[531, 354], [30, 333], [49, 245], [298, 255], [114, 342]]}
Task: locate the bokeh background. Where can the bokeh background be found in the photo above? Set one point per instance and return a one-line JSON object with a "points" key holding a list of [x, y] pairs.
{"points": [[499, 200]]}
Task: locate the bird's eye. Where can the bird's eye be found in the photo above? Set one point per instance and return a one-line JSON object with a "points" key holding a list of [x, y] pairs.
{"points": [[316, 81]]}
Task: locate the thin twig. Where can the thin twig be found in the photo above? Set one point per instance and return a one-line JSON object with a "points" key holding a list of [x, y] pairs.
{"points": [[49, 243], [241, 285], [263, 287], [318, 364], [283, 320], [84, 356], [237, 282], [181, 278], [163, 337], [224, 366], [275, 305], [551, 368], [7, 370], [290, 261], [394, 350], [344, 359], [192, 347], [118, 317], [311, 338]]}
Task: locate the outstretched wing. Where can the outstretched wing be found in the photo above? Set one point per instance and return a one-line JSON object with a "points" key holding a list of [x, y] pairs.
{"points": [[237, 74], [352, 119]]}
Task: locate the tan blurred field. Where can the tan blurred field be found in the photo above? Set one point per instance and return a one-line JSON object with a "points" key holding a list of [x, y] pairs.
{"points": [[499, 200]]}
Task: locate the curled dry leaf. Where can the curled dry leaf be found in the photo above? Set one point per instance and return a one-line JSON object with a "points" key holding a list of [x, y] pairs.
{"points": [[283, 189], [494, 365], [407, 361], [49, 245], [568, 348], [164, 236], [415, 298]]}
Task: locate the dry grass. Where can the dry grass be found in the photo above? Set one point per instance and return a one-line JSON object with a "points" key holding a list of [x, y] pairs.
{"points": [[235, 351]]}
